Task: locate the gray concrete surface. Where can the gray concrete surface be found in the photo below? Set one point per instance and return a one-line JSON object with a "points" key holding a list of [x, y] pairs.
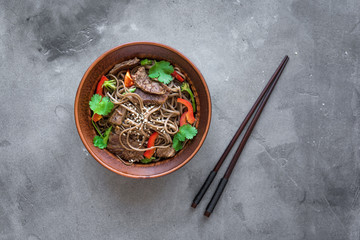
{"points": [[298, 177]]}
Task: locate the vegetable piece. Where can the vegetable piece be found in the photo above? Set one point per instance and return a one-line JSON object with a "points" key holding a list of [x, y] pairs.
{"points": [[190, 113], [101, 106], [130, 90], [104, 82], [96, 128], [128, 81], [185, 132], [179, 136], [110, 85], [188, 131], [147, 160], [177, 76], [162, 71], [151, 142], [96, 117], [177, 144], [183, 119], [99, 88], [186, 87], [145, 62], [101, 141]]}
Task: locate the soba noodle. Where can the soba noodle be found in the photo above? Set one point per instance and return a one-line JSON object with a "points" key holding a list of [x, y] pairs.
{"points": [[141, 120]]}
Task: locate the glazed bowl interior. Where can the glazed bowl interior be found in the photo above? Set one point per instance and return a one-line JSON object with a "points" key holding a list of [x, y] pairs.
{"points": [[100, 67]]}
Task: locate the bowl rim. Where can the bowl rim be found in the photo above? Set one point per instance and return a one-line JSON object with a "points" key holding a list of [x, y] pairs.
{"points": [[77, 121]]}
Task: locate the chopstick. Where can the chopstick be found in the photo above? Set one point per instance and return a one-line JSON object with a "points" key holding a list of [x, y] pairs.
{"points": [[213, 173], [262, 99], [224, 180]]}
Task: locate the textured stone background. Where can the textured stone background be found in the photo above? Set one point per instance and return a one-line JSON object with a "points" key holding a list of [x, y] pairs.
{"points": [[298, 177]]}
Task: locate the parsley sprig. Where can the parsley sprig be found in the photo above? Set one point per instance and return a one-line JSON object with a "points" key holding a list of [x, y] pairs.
{"points": [[185, 132]]}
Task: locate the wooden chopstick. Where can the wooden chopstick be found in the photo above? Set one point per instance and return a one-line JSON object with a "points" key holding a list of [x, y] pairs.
{"points": [[213, 173], [262, 99], [217, 194]]}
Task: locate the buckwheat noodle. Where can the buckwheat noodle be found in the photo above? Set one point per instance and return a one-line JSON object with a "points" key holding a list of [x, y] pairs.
{"points": [[141, 120]]}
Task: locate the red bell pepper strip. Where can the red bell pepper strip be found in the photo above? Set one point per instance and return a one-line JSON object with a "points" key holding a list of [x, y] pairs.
{"points": [[128, 81], [190, 112], [183, 119], [99, 88], [151, 142], [96, 117], [177, 76]]}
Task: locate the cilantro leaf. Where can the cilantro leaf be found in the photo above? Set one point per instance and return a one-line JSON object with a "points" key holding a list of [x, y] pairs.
{"points": [[101, 105], [181, 137], [95, 100], [185, 132], [145, 62], [147, 160], [188, 131], [177, 144], [101, 142], [162, 71]]}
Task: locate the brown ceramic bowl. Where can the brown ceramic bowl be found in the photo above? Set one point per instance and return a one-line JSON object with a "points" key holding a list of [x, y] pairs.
{"points": [[101, 66]]}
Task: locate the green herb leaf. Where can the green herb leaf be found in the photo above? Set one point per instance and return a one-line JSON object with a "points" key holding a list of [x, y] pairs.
{"points": [[147, 160], [101, 142], [180, 136], [162, 71], [101, 105], [177, 144], [185, 132], [188, 131], [95, 100], [145, 62]]}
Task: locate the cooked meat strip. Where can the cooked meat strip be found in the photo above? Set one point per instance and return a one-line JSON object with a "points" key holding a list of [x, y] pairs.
{"points": [[115, 147], [142, 80], [165, 152], [124, 65], [118, 116], [152, 98], [118, 130]]}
